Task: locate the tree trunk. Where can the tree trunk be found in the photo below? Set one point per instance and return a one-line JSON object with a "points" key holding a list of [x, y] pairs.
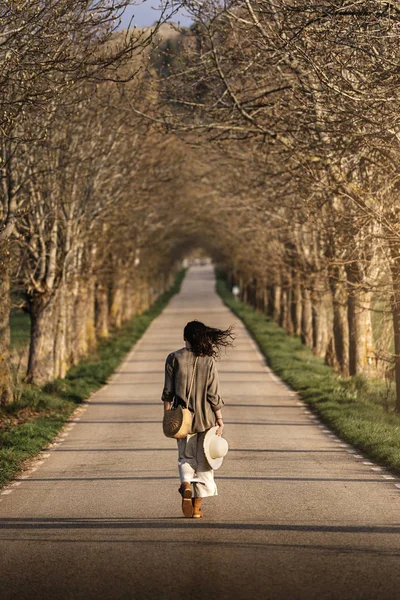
{"points": [[289, 302], [360, 326], [117, 302], [85, 334], [276, 302], [128, 303], [241, 289], [250, 294], [71, 299], [306, 320], [62, 347], [396, 331], [5, 359], [283, 312], [245, 294], [260, 296], [320, 310], [296, 308], [321, 333], [142, 296], [340, 320], [270, 301], [44, 323], [102, 311], [395, 302], [265, 299]]}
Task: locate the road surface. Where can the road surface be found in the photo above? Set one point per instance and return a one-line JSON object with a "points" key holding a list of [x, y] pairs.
{"points": [[298, 514]]}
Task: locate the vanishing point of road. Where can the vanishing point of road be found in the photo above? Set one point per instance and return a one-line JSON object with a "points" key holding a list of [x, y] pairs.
{"points": [[299, 514]]}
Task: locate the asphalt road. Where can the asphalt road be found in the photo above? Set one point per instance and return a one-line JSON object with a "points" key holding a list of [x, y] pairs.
{"points": [[298, 514]]}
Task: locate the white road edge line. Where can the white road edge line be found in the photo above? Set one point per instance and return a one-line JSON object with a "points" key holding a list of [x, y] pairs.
{"points": [[307, 411]]}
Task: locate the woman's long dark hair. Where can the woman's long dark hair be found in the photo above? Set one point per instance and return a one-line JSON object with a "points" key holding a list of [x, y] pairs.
{"points": [[207, 341]]}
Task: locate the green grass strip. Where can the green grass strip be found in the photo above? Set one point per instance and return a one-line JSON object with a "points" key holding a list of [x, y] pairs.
{"points": [[55, 401], [359, 410]]}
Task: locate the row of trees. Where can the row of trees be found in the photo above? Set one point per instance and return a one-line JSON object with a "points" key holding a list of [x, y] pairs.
{"points": [[300, 105], [268, 133], [81, 246]]}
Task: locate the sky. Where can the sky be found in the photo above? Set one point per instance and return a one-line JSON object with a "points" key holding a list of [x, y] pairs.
{"points": [[145, 15]]}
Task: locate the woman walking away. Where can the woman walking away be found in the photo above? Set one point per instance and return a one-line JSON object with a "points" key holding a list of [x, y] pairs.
{"points": [[191, 371]]}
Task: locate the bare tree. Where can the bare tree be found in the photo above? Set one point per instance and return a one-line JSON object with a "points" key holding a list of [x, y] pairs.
{"points": [[47, 50]]}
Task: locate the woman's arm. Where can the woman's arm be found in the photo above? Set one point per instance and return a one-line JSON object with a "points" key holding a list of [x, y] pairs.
{"points": [[220, 423], [169, 387], [214, 398]]}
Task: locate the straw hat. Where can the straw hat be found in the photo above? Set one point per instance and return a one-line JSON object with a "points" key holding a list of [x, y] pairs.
{"points": [[215, 448]]}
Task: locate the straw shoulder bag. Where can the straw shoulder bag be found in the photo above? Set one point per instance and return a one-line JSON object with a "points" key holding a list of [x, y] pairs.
{"points": [[177, 422]]}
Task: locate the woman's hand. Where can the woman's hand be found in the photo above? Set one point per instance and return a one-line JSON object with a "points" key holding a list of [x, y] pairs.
{"points": [[220, 425], [167, 406]]}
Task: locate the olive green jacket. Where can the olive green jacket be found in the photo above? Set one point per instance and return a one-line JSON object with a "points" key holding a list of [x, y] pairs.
{"points": [[205, 399]]}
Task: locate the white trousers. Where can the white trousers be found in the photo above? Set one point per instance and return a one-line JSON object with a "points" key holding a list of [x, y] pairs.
{"points": [[193, 466]]}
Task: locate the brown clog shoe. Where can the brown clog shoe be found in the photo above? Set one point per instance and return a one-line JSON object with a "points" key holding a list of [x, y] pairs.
{"points": [[197, 512], [185, 491]]}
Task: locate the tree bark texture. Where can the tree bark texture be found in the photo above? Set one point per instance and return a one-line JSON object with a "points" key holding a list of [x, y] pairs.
{"points": [[5, 358], [265, 299], [396, 331], [395, 303], [252, 293], [307, 320], [340, 321], [44, 310], [296, 308], [63, 337], [284, 310], [117, 303], [260, 296], [84, 322], [102, 311], [128, 302], [321, 301], [276, 302], [360, 325], [289, 301]]}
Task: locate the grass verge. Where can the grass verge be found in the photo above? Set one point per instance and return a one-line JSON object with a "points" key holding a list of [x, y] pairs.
{"points": [[30, 423], [358, 409]]}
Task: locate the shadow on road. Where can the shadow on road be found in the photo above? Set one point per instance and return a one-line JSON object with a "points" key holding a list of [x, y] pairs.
{"points": [[182, 523]]}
